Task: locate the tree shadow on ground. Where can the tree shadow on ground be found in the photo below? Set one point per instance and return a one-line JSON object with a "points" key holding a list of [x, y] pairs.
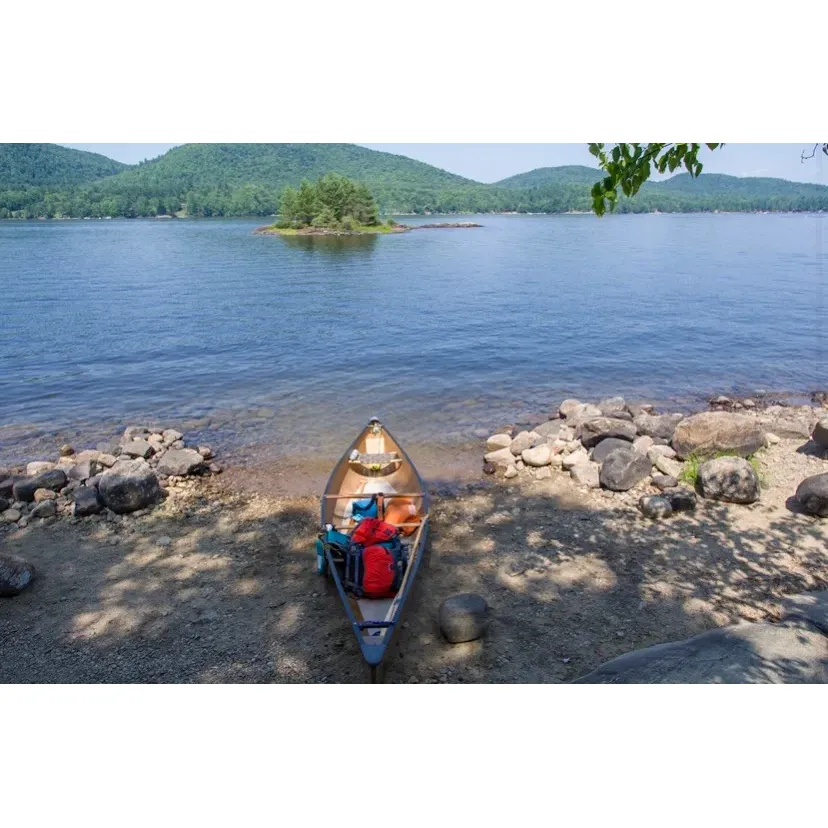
{"points": [[233, 596]]}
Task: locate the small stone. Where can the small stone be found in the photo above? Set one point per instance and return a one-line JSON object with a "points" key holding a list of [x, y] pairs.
{"points": [[171, 436], [205, 451], [680, 500], [642, 444], [490, 468], [671, 468], [544, 473], [23, 522], [664, 481], [510, 472], [539, 456], [135, 433], [586, 474], [820, 434], [569, 407], [66, 450], [498, 441], [577, 458], [771, 439], [164, 541], [524, 440], [812, 494], [11, 515], [463, 617], [656, 451], [37, 467], [501, 457], [215, 468], [107, 460], [44, 494]]}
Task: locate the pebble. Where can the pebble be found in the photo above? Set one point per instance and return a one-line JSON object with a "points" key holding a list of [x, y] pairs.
{"points": [[164, 541]]}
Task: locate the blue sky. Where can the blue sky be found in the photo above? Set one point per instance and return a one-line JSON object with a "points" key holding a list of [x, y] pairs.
{"points": [[492, 162]]}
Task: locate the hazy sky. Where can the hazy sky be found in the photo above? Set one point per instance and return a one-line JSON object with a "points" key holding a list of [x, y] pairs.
{"points": [[491, 162]]}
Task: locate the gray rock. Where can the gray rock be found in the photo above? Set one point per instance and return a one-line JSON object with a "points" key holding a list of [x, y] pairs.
{"points": [[539, 456], [45, 509], [34, 468], [135, 433], [656, 451], [637, 409], [664, 481], [498, 441], [4, 504], [612, 406], [605, 447], [138, 448], [575, 459], [544, 473], [592, 432], [680, 499], [665, 465], [820, 435], [7, 486], [568, 407], [206, 452], [523, 441], [107, 461], [11, 515], [66, 450], [87, 502], [463, 617], [25, 488], [510, 472], [623, 469], [215, 468], [657, 425], [716, 431], [128, 486], [501, 457], [787, 653], [791, 429], [15, 575], [809, 606], [488, 468], [83, 471], [642, 444], [812, 494], [551, 428], [88, 454], [655, 507], [171, 436], [731, 479], [112, 447], [583, 414], [586, 474], [771, 439], [184, 461]]}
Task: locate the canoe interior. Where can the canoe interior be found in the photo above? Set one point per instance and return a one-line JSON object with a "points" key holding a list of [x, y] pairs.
{"points": [[398, 477]]}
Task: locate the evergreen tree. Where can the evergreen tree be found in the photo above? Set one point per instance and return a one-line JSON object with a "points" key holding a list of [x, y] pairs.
{"points": [[306, 205]]}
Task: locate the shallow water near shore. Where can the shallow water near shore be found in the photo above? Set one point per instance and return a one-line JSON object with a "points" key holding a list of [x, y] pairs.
{"points": [[276, 348]]}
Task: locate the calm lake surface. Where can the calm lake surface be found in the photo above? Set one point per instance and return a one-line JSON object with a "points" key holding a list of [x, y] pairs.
{"points": [[274, 346]]}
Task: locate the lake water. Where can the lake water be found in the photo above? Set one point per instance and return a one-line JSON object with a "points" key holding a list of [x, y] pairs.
{"points": [[270, 345]]}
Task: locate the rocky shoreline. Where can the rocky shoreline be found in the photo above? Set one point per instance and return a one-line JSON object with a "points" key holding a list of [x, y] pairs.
{"points": [[124, 476], [662, 462]]}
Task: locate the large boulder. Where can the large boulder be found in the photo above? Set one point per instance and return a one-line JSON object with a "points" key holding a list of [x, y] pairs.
{"points": [[463, 617], [658, 425], [15, 575], [731, 479], [820, 434], [592, 432], [812, 494], [184, 461], [25, 488], [606, 447], [128, 486], [622, 469], [712, 432], [789, 653], [811, 607]]}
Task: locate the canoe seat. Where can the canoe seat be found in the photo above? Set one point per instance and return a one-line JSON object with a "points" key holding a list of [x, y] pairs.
{"points": [[384, 459]]}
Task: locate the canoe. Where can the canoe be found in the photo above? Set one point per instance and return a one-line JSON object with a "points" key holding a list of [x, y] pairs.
{"points": [[376, 463]]}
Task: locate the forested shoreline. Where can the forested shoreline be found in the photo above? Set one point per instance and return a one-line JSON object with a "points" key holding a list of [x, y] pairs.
{"points": [[234, 180]]}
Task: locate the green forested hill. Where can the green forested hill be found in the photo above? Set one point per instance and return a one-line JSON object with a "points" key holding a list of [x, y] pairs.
{"points": [[572, 174], [50, 165], [248, 179]]}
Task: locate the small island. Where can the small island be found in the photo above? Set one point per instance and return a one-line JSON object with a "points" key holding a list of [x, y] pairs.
{"points": [[336, 206]]}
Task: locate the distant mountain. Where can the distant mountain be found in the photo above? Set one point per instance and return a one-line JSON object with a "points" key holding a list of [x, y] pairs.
{"points": [[572, 174], [248, 180], [50, 165]]}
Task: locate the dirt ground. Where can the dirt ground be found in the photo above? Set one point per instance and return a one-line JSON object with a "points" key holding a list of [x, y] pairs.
{"points": [[218, 584]]}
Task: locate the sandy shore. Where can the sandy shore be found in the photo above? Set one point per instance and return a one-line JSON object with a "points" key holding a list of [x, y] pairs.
{"points": [[218, 585]]}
